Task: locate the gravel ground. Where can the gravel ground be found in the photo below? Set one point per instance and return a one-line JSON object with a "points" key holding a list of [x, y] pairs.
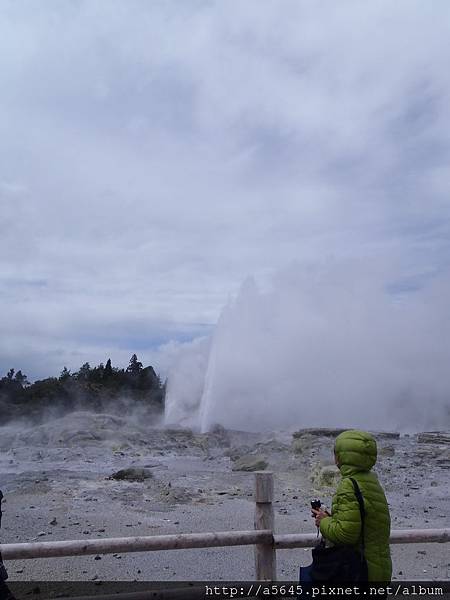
{"points": [[56, 486]]}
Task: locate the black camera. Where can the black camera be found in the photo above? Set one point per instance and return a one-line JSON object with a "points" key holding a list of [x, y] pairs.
{"points": [[316, 504]]}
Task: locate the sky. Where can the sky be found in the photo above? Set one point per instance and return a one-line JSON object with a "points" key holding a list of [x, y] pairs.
{"points": [[154, 155]]}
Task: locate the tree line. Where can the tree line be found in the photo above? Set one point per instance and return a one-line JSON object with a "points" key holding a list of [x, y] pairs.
{"points": [[101, 388]]}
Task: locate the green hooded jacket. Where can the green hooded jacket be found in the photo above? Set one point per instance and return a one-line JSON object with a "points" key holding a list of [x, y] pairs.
{"points": [[356, 452]]}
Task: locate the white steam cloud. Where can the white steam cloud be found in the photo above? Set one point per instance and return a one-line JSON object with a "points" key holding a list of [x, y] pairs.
{"points": [[334, 345]]}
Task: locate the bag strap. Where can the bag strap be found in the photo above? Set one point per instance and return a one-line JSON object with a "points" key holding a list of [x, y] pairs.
{"points": [[362, 512]]}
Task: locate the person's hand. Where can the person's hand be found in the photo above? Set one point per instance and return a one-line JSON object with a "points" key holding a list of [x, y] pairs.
{"points": [[318, 514]]}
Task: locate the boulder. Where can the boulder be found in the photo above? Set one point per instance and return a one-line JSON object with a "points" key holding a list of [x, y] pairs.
{"points": [[250, 463], [385, 435], [433, 437], [318, 432], [132, 474]]}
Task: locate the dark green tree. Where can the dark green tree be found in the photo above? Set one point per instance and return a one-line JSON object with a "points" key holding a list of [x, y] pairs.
{"points": [[95, 389], [108, 369], [135, 367], [65, 374], [21, 379], [84, 371]]}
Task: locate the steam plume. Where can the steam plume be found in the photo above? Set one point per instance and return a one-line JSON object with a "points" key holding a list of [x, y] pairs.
{"points": [[326, 346]]}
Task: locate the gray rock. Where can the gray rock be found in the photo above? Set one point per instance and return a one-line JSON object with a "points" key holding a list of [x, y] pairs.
{"points": [[444, 459], [335, 431], [317, 431], [433, 437], [386, 435], [250, 463], [132, 474]]}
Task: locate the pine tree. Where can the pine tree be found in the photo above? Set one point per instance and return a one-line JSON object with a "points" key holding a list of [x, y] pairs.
{"points": [[135, 367], [84, 371], [21, 379], [108, 369], [65, 374]]}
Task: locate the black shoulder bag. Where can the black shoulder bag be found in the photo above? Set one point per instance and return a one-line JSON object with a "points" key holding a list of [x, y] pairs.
{"points": [[341, 563]]}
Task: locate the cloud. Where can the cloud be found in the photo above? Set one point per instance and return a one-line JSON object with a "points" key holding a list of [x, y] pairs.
{"points": [[153, 155]]}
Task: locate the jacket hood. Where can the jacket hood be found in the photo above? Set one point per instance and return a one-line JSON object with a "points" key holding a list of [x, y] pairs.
{"points": [[356, 451]]}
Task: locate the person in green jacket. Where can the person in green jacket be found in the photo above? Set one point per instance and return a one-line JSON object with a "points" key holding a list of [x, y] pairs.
{"points": [[355, 454]]}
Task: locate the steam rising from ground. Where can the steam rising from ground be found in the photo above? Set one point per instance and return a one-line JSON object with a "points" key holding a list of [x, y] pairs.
{"points": [[329, 346]]}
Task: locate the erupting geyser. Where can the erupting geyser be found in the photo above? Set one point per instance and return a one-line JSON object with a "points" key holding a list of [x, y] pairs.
{"points": [[324, 347]]}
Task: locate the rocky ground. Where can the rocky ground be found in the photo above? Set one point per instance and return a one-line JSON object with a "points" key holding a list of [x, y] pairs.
{"points": [[98, 476]]}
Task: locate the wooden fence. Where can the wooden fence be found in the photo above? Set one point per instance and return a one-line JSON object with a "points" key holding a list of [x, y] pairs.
{"points": [[263, 537]]}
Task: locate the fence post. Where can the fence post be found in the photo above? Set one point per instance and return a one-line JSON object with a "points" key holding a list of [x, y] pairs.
{"points": [[265, 554]]}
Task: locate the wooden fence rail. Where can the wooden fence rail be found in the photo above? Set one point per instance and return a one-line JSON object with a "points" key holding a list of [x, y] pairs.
{"points": [[180, 541], [398, 536], [265, 541]]}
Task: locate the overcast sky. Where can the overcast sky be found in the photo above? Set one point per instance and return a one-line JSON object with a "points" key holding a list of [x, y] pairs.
{"points": [[155, 154]]}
